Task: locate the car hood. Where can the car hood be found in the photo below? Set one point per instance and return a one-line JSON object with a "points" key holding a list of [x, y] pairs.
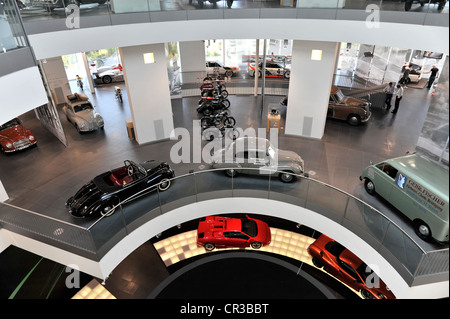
{"points": [[353, 101], [264, 234], [288, 156], [88, 195], [14, 133], [87, 115]]}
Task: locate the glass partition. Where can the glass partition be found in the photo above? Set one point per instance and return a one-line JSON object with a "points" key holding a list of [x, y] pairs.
{"points": [[12, 35], [34, 10]]}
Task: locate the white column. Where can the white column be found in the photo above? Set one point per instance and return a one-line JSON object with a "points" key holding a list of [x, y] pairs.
{"points": [[148, 92], [3, 195], [192, 56], [88, 72], [309, 88]]}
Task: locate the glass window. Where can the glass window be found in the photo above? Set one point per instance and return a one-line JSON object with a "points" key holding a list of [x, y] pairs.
{"points": [[388, 169]]}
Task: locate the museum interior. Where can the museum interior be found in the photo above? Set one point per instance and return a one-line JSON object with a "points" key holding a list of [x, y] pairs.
{"points": [[278, 150]]}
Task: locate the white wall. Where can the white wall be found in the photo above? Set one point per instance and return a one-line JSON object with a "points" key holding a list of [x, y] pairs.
{"points": [[192, 55], [148, 92], [22, 91], [388, 34], [57, 79], [309, 88]]}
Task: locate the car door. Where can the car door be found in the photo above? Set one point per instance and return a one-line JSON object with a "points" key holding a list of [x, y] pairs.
{"points": [[384, 179], [331, 106], [236, 239]]}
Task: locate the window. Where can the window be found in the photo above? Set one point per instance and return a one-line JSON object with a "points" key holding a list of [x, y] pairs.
{"points": [[249, 227], [388, 169], [235, 235]]}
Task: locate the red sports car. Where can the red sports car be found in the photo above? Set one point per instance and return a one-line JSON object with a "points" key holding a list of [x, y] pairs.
{"points": [[225, 232], [348, 268], [14, 137]]}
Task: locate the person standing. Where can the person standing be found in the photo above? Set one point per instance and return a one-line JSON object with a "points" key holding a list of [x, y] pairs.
{"points": [[398, 98], [389, 90], [434, 72]]}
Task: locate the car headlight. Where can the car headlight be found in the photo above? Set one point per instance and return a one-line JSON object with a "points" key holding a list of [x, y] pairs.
{"points": [[83, 125], [31, 138], [9, 145]]}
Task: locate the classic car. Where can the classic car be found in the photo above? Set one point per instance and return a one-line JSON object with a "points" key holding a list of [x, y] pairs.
{"points": [[218, 68], [106, 191], [201, 2], [354, 111], [108, 74], [81, 113], [273, 69], [15, 137], [225, 232], [252, 155], [342, 264], [441, 3], [50, 5]]}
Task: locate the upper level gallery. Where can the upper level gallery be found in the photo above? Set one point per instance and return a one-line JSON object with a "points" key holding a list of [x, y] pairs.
{"points": [[57, 27]]}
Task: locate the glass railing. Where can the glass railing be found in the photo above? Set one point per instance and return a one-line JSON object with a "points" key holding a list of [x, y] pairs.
{"points": [[12, 35], [32, 10], [96, 237]]}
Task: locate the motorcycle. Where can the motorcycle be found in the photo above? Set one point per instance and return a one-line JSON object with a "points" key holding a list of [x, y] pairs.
{"points": [[220, 119], [118, 94], [79, 82], [210, 89], [207, 106]]}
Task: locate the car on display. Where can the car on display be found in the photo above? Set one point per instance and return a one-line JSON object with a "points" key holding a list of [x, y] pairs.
{"points": [[342, 264], [252, 155], [102, 195], [418, 188], [273, 69], [81, 113], [201, 2], [108, 74], [441, 3], [218, 68], [50, 5], [354, 111], [225, 232], [15, 137]]}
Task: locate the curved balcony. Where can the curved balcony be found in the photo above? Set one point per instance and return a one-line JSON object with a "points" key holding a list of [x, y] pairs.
{"points": [[94, 239]]}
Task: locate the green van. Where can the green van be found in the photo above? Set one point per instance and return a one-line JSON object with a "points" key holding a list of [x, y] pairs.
{"points": [[418, 188]]}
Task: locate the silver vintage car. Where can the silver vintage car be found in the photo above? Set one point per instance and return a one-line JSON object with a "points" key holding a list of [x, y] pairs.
{"points": [[81, 113], [251, 155]]}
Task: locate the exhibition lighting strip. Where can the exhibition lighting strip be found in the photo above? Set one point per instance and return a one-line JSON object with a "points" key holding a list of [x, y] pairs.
{"points": [[184, 246], [93, 290]]}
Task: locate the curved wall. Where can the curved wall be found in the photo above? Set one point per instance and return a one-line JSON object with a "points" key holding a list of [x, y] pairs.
{"points": [[50, 44]]}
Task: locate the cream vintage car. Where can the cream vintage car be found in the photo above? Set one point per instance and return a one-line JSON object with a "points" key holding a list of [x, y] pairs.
{"points": [[81, 113]]}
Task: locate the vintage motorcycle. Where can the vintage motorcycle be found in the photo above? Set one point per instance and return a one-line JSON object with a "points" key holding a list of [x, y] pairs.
{"points": [[207, 106], [220, 119], [119, 94]]}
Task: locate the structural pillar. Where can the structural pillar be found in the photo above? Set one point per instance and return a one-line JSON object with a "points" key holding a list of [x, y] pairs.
{"points": [[313, 65], [193, 62], [146, 79]]}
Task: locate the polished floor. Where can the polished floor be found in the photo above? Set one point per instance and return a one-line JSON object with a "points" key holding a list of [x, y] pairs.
{"points": [[42, 178]]}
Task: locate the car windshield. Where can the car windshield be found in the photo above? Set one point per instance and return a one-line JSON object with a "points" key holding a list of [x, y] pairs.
{"points": [[271, 151], [10, 124], [364, 272], [339, 95], [249, 227], [82, 107]]}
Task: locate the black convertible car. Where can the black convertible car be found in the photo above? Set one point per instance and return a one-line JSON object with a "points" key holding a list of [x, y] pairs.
{"points": [[100, 196]]}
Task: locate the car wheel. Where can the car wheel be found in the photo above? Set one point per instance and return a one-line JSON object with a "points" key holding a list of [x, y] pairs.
{"points": [[231, 172], [287, 74], [316, 262], [107, 79], [259, 74], [354, 119], [256, 245], [224, 94], [209, 246], [207, 111], [369, 186], [366, 294], [287, 177], [422, 229], [164, 184], [228, 73], [108, 210], [408, 5], [230, 121]]}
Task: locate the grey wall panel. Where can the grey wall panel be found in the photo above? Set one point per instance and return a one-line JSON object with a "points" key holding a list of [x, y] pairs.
{"points": [[161, 16], [276, 13], [16, 60], [129, 18], [205, 14], [307, 13], [241, 14]]}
